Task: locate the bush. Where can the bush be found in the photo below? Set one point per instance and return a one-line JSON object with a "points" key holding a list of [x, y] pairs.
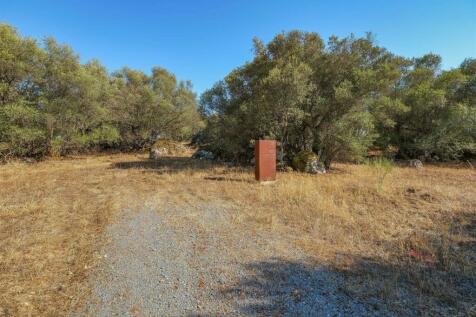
{"points": [[382, 168], [51, 103], [302, 161], [23, 130]]}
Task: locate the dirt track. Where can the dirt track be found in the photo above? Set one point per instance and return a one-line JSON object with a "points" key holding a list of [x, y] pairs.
{"points": [[198, 262]]}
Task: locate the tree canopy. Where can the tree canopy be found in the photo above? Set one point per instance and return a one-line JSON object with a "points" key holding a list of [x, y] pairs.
{"points": [[50, 103], [339, 99]]}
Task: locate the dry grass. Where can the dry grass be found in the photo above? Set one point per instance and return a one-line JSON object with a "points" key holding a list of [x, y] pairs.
{"points": [[51, 218], [416, 231]]}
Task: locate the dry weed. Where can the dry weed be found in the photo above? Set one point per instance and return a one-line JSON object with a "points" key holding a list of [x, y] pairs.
{"points": [[416, 228]]}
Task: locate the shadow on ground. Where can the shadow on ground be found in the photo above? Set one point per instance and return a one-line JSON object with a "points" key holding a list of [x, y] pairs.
{"points": [[229, 179], [440, 282], [169, 164], [172, 164], [444, 285], [279, 287]]}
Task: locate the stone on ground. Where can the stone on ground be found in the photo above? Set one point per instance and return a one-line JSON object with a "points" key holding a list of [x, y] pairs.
{"points": [[164, 147], [415, 164]]}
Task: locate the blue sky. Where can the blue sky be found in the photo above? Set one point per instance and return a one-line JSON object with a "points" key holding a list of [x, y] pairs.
{"points": [[204, 40]]}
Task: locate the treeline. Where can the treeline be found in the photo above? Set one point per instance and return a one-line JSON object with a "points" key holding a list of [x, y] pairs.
{"points": [[339, 99], [50, 103]]}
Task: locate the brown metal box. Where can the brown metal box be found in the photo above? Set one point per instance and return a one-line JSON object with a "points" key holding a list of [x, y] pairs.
{"points": [[265, 160]]}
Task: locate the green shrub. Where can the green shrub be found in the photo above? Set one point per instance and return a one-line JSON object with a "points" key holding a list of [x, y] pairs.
{"points": [[301, 161], [23, 130], [382, 167]]}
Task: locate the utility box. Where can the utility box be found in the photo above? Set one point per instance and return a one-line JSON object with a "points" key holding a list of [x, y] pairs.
{"points": [[265, 160]]}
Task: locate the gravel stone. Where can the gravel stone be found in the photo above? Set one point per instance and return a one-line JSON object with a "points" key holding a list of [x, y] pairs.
{"points": [[197, 261]]}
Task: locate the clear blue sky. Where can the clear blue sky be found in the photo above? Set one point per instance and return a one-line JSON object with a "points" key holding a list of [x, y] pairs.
{"points": [[203, 40]]}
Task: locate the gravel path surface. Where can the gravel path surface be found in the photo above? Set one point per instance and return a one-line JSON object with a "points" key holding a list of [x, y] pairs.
{"points": [[197, 261]]}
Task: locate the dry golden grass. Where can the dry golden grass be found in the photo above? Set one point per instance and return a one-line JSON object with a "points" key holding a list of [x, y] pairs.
{"points": [[51, 217], [417, 228]]}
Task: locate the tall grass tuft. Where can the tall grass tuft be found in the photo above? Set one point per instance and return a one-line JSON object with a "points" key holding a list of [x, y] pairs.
{"points": [[381, 167]]}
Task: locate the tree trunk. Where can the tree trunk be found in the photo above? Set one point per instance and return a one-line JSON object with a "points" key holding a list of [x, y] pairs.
{"points": [[327, 163], [308, 138]]}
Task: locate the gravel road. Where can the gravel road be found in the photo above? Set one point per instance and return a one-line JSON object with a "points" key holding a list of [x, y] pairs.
{"points": [[196, 261]]}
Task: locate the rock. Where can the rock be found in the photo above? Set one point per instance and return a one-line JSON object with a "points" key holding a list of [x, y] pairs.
{"points": [[203, 155], [415, 164], [156, 153], [167, 147], [308, 162]]}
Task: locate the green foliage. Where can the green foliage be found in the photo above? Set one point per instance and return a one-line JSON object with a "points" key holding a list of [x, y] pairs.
{"points": [[305, 94], [340, 99], [22, 130], [50, 102], [145, 107], [301, 160], [348, 138], [336, 99], [382, 167], [440, 123]]}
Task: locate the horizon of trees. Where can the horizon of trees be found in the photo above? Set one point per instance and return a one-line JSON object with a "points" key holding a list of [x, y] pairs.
{"points": [[51, 104], [338, 98]]}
